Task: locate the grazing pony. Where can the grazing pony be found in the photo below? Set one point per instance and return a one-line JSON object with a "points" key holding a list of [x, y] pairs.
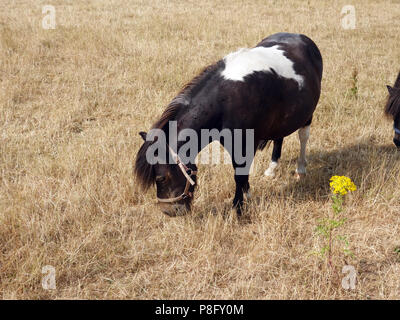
{"points": [[392, 109], [270, 90]]}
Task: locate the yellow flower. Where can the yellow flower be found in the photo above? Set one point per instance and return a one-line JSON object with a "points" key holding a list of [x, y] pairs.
{"points": [[342, 185]]}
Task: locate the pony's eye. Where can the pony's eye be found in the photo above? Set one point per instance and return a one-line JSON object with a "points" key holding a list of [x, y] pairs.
{"points": [[160, 179]]}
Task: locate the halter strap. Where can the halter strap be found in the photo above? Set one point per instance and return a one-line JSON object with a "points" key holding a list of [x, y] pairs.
{"points": [[189, 180], [396, 130], [181, 165]]}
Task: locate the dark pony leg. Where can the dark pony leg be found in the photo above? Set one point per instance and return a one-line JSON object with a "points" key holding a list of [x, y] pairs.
{"points": [[276, 154], [242, 186], [241, 177]]}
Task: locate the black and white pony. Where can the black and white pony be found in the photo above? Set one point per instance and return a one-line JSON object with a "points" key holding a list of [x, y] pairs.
{"points": [[272, 89], [392, 109]]}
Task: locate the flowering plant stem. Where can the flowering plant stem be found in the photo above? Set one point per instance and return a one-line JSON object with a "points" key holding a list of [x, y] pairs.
{"points": [[340, 186], [334, 222]]}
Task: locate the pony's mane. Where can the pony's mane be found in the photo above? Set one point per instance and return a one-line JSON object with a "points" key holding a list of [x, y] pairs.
{"points": [[144, 171], [393, 103]]}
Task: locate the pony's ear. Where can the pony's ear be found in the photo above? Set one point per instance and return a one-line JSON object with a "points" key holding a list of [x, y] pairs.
{"points": [[143, 135], [390, 89]]}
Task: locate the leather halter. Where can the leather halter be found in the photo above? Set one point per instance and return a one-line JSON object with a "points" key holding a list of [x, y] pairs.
{"points": [[187, 172]]}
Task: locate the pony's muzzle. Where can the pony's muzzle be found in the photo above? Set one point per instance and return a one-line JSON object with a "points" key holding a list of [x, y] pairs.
{"points": [[173, 210]]}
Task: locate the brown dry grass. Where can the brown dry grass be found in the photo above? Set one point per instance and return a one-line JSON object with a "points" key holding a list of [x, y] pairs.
{"points": [[73, 99]]}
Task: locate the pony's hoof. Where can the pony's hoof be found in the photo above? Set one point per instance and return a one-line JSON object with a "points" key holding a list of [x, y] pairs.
{"points": [[269, 173], [299, 176], [233, 212], [244, 219]]}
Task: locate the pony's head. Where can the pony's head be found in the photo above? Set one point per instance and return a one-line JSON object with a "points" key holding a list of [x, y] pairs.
{"points": [[392, 110], [174, 182]]}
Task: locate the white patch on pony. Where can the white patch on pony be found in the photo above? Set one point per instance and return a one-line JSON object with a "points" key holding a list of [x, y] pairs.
{"points": [[270, 172], [247, 61]]}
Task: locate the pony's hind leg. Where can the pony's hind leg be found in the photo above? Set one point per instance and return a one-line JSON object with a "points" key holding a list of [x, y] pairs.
{"points": [[276, 154], [304, 134]]}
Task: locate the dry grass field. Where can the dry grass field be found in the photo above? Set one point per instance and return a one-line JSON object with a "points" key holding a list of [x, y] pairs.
{"points": [[73, 99]]}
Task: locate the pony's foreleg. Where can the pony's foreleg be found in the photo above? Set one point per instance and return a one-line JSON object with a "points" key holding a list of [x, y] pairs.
{"points": [[304, 134], [242, 168], [242, 186], [276, 154]]}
